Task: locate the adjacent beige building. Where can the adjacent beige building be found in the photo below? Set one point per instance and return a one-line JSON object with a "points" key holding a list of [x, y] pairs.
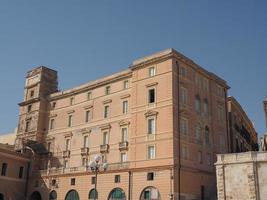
{"points": [[158, 124]]}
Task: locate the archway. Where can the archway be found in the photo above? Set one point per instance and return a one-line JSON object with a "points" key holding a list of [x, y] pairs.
{"points": [[93, 194], [150, 193], [117, 194], [1, 197], [36, 196], [72, 195], [53, 195]]}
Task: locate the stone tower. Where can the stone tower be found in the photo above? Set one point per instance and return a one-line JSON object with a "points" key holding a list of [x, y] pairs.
{"points": [[33, 115]]}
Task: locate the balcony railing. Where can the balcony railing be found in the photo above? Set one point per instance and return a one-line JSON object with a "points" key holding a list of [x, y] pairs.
{"points": [[123, 146], [84, 151], [104, 148], [66, 154]]}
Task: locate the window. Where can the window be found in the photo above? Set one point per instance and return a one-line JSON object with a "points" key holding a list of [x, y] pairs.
{"points": [[150, 176], [4, 169], [54, 105], [71, 101], [86, 141], [54, 182], [84, 161], [183, 95], [152, 71], [72, 181], [124, 134], [199, 157], [29, 108], [125, 107], [89, 95], [87, 116], [66, 164], [205, 84], [49, 146], [184, 152], [107, 90], [117, 179], [125, 84], [123, 157], [197, 104], [184, 126], [151, 126], [151, 95], [70, 121], [32, 93], [205, 108], [52, 123], [220, 113], [182, 71], [27, 127], [151, 152], [208, 159], [93, 180], [105, 138], [220, 91], [207, 136], [106, 111], [67, 144], [198, 132]]}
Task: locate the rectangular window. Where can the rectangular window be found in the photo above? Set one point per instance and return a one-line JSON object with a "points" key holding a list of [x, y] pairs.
{"points": [[32, 93], [107, 90], [152, 71], [151, 95], [184, 126], [93, 180], [29, 108], [87, 116], [151, 152], [67, 144], [52, 123], [151, 126], [54, 105], [89, 95], [182, 71], [150, 176], [183, 95], [71, 101], [124, 134], [125, 107], [184, 152], [220, 111], [106, 111], [123, 157], [84, 162], [105, 137], [66, 164], [199, 157], [125, 84], [86, 141], [27, 127], [208, 159], [4, 169], [70, 121], [117, 179], [21, 169], [49, 146], [205, 84], [72, 181]]}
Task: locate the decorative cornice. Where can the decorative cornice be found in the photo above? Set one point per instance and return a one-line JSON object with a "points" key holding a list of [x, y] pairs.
{"points": [[88, 107], [50, 138], [107, 101], [69, 134], [152, 84], [29, 101], [70, 111], [151, 113], [124, 123], [125, 96], [52, 115], [105, 126]]}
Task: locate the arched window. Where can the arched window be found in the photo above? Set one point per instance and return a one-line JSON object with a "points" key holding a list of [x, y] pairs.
{"points": [[198, 133], [1, 196], [53, 195], [117, 194], [93, 194], [205, 107], [197, 104], [150, 193], [207, 136], [36, 196], [72, 195]]}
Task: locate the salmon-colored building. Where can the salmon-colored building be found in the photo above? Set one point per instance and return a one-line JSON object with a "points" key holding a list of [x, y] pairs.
{"points": [[158, 125]]}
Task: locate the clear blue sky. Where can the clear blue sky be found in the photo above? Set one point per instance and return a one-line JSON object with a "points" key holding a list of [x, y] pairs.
{"points": [[85, 39]]}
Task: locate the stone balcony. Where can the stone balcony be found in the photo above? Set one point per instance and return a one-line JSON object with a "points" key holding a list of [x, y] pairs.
{"points": [[123, 146], [66, 154], [104, 148], [85, 151]]}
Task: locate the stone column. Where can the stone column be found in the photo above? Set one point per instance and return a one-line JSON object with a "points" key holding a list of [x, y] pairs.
{"points": [[220, 182], [251, 182]]}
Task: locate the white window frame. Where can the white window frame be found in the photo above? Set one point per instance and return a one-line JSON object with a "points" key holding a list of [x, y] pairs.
{"points": [[152, 71], [106, 111], [153, 155], [125, 106], [151, 130]]}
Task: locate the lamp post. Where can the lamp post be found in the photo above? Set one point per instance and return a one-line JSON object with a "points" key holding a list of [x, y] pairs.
{"points": [[95, 166]]}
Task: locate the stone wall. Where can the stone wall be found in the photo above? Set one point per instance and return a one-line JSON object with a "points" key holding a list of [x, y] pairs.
{"points": [[242, 176]]}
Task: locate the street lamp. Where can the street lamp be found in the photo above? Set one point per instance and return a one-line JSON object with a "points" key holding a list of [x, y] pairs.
{"points": [[95, 166]]}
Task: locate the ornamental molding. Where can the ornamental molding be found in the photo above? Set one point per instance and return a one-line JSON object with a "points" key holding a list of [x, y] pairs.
{"points": [[124, 123], [88, 107], [70, 111], [152, 84], [52, 115], [151, 113], [125, 96], [105, 126], [107, 101], [68, 135]]}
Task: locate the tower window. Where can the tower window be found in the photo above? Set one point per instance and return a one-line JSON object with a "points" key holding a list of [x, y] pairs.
{"points": [[31, 93], [21, 172], [29, 108], [4, 169], [152, 71], [117, 179], [107, 91], [151, 95]]}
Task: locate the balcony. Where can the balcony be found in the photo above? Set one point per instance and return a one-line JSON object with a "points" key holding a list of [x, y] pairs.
{"points": [[84, 151], [104, 148], [66, 154], [123, 146]]}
